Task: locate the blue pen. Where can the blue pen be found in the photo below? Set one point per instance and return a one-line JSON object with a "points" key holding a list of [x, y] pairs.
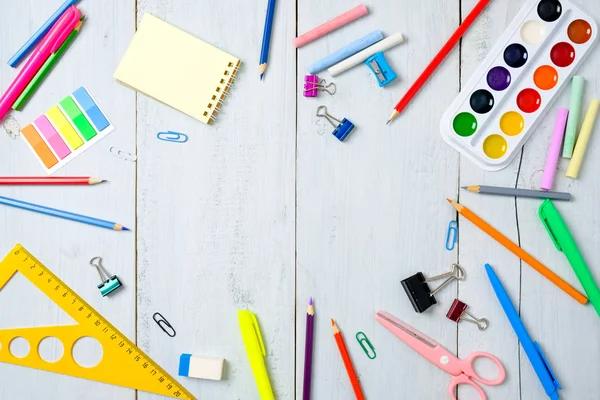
{"points": [[30, 44], [532, 349]]}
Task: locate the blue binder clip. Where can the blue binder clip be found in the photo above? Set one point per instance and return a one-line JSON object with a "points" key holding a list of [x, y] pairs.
{"points": [[342, 128], [107, 285], [380, 68]]}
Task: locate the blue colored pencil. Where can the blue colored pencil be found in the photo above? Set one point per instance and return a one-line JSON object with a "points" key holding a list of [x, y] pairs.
{"points": [[61, 214], [264, 53], [30, 44]]}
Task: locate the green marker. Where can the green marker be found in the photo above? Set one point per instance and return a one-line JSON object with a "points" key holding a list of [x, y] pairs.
{"points": [[45, 70], [577, 85], [560, 235]]}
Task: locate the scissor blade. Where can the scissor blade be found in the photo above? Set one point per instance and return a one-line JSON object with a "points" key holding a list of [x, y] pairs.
{"points": [[407, 334]]}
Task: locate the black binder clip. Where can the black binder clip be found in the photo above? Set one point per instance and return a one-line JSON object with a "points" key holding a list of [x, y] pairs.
{"points": [[417, 290], [342, 129]]}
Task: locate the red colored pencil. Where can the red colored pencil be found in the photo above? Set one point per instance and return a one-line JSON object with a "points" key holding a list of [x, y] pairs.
{"points": [[439, 57], [49, 180], [347, 361]]}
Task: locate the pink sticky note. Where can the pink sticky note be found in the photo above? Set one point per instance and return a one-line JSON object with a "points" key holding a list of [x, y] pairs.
{"points": [[52, 137]]}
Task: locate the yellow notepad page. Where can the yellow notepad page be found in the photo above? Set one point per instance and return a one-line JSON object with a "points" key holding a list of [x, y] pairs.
{"points": [[177, 69]]}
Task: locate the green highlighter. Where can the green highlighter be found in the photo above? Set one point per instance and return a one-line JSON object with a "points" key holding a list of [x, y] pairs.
{"points": [[45, 70], [560, 235]]}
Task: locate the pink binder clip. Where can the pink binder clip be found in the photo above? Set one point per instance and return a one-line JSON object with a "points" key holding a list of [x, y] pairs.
{"points": [[458, 311], [312, 85]]}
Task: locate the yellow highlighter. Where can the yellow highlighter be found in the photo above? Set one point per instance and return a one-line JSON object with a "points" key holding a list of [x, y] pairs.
{"points": [[256, 353]]}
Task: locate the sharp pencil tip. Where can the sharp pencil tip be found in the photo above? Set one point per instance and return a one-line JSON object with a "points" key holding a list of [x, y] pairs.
{"points": [[125, 229], [261, 76], [464, 187], [310, 302], [388, 122], [449, 201], [332, 322]]}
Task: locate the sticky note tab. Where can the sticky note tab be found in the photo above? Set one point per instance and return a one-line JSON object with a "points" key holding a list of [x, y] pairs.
{"points": [[39, 146], [79, 120], [91, 109], [64, 127], [52, 137]]}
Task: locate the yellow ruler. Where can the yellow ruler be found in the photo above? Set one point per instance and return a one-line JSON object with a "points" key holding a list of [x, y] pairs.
{"points": [[122, 364]]}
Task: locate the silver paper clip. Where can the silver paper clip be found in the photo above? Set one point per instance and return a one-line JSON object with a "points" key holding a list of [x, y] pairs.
{"points": [[123, 154], [171, 136], [11, 126]]}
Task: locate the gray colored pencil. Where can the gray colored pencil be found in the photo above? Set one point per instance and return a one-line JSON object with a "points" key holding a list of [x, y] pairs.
{"points": [[535, 194]]}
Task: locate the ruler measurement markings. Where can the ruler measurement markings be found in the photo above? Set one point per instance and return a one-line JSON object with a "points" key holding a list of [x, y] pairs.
{"points": [[50, 284]]}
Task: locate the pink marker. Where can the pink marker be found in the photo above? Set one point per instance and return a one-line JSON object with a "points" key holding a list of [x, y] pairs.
{"points": [[331, 25], [50, 44], [554, 151]]}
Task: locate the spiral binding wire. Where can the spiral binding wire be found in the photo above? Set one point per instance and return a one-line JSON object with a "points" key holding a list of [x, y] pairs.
{"points": [[222, 91]]}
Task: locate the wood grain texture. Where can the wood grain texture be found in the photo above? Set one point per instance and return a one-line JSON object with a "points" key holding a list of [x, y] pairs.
{"points": [[63, 246], [225, 205], [266, 208]]}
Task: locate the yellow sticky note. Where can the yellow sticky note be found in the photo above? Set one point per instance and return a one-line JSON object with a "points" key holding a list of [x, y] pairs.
{"points": [[64, 128], [177, 69]]}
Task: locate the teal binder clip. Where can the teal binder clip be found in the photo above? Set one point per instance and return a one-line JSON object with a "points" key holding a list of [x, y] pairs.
{"points": [[107, 285], [380, 68]]}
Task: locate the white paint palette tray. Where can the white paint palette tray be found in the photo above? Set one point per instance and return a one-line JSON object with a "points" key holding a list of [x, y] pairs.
{"points": [[516, 84]]}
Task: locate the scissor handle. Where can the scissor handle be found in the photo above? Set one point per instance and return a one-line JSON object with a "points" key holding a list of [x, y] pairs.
{"points": [[467, 367], [463, 379]]}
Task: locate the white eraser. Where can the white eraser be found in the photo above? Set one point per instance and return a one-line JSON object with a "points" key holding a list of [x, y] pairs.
{"points": [[201, 367]]}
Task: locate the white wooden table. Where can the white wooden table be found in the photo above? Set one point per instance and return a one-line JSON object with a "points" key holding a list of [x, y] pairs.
{"points": [[259, 211]]}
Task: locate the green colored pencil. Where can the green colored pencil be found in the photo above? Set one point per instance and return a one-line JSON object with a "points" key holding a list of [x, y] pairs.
{"points": [[45, 70]]}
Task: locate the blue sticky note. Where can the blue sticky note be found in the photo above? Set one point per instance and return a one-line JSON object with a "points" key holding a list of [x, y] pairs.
{"points": [[91, 109]]}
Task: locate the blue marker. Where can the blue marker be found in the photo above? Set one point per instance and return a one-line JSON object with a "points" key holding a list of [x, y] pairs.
{"points": [[30, 44], [532, 349]]}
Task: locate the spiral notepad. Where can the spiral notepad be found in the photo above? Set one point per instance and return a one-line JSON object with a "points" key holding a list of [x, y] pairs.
{"points": [[177, 69]]}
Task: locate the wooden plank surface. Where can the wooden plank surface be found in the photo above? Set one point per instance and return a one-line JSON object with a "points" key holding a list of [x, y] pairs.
{"points": [[266, 208], [63, 246]]}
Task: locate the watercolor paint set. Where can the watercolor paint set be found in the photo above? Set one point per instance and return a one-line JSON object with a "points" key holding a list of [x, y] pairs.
{"points": [[66, 130], [535, 58]]}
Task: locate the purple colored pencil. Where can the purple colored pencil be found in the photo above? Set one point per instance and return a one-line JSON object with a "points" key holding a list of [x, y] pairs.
{"points": [[308, 349]]}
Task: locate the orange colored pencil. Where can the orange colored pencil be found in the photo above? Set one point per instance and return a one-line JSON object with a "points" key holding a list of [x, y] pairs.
{"points": [[519, 252], [347, 361]]}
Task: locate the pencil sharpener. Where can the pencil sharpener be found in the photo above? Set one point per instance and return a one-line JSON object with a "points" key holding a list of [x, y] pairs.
{"points": [[418, 292], [381, 69], [109, 286]]}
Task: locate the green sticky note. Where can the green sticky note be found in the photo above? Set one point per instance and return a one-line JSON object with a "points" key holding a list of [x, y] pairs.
{"points": [[79, 120]]}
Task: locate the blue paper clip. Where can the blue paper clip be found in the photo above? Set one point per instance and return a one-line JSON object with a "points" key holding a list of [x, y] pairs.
{"points": [[171, 136], [380, 68], [452, 235], [342, 129]]}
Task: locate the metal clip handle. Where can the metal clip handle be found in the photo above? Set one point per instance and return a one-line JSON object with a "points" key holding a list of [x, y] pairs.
{"points": [[482, 323], [457, 272], [96, 262], [322, 112]]}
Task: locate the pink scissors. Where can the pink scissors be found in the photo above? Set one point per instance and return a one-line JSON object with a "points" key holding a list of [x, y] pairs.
{"points": [[461, 370]]}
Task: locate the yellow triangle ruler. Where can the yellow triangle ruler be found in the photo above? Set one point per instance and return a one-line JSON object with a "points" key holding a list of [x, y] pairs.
{"points": [[122, 364]]}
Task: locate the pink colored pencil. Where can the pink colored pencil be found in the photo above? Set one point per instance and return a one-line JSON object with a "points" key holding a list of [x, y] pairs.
{"points": [[331, 25], [554, 151]]}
